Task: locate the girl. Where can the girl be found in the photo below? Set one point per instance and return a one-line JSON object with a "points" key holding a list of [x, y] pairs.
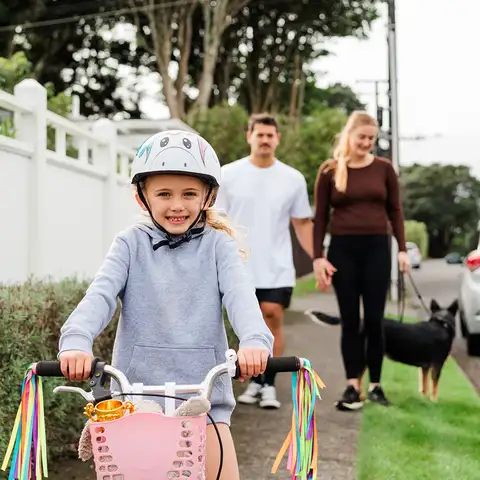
{"points": [[362, 190], [172, 276]]}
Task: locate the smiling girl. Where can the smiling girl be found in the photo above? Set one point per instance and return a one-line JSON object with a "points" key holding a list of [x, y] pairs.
{"points": [[172, 275]]}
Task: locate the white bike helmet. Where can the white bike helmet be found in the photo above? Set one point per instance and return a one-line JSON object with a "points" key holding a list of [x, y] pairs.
{"points": [[179, 152]]}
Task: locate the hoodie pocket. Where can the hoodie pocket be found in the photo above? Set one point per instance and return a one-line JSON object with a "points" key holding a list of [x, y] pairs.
{"points": [[182, 364]]}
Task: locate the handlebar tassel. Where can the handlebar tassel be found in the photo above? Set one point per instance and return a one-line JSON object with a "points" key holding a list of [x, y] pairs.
{"points": [[28, 440], [302, 440]]}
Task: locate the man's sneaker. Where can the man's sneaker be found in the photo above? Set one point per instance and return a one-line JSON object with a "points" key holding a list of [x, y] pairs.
{"points": [[377, 395], [322, 318], [350, 400], [251, 395], [269, 397]]}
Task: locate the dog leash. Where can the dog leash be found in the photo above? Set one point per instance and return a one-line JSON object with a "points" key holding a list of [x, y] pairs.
{"points": [[403, 294]]}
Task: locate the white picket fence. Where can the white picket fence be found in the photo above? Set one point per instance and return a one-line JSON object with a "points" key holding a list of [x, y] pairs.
{"points": [[58, 214]]}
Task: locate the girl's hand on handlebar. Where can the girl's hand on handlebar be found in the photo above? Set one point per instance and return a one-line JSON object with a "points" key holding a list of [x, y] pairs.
{"points": [[75, 365], [252, 361]]}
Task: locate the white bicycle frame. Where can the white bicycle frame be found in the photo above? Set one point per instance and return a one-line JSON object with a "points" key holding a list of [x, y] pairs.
{"points": [[169, 389]]}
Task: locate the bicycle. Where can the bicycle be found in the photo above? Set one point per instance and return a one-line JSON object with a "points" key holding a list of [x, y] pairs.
{"points": [[127, 447]]}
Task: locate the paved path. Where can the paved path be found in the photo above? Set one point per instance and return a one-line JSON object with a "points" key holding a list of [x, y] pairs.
{"points": [[259, 434]]}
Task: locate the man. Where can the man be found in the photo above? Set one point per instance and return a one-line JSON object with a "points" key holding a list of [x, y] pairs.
{"points": [[264, 195]]}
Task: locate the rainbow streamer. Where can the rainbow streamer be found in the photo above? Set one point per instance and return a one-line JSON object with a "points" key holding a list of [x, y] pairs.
{"points": [[302, 441], [28, 440]]}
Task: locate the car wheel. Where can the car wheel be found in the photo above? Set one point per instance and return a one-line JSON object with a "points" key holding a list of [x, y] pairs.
{"points": [[473, 345]]}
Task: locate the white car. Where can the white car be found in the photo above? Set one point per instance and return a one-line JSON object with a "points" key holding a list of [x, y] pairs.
{"points": [[414, 255], [469, 302]]}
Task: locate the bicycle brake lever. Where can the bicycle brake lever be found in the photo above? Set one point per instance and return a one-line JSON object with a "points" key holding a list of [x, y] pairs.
{"points": [[88, 396]]}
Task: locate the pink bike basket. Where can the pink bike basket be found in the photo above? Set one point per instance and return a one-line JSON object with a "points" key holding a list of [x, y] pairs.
{"points": [[150, 446]]}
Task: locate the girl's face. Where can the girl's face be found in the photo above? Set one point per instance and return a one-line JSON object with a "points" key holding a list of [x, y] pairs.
{"points": [[175, 200], [362, 140]]}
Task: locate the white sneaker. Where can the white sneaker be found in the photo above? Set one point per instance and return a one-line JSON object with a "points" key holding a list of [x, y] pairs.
{"points": [[269, 397], [251, 395]]}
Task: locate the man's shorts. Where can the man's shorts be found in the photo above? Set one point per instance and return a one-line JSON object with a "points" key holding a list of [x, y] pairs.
{"points": [[281, 295]]}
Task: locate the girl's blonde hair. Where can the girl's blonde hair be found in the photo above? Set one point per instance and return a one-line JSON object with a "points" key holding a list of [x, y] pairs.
{"points": [[219, 221], [341, 152], [213, 218]]}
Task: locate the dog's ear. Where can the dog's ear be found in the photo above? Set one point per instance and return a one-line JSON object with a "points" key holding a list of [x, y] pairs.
{"points": [[453, 308], [434, 306]]}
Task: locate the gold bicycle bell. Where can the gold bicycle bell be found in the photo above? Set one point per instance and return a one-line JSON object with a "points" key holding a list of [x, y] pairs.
{"points": [[108, 410]]}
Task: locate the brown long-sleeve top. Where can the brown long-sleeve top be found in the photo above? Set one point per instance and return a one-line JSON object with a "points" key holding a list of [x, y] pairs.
{"points": [[370, 204]]}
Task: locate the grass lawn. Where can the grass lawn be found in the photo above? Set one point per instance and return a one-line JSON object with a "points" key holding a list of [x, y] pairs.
{"points": [[416, 439], [304, 286]]}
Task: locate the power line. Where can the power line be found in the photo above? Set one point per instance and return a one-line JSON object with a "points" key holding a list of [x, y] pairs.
{"points": [[110, 13]]}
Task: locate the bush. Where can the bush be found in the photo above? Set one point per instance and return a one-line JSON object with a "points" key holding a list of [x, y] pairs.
{"points": [[31, 316], [224, 126], [417, 232]]}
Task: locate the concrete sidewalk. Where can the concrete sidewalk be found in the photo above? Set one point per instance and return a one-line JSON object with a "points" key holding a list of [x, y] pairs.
{"points": [[259, 434]]}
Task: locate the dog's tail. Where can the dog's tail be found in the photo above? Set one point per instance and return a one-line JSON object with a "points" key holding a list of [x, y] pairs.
{"points": [[322, 319]]}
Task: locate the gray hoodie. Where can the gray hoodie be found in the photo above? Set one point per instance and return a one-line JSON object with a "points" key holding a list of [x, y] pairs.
{"points": [[171, 327]]}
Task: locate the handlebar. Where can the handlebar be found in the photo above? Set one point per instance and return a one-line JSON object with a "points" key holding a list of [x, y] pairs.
{"points": [[101, 372]]}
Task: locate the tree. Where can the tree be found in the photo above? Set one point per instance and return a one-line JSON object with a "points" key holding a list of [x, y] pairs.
{"points": [[217, 15], [164, 30], [268, 45], [254, 52], [446, 198], [17, 68], [307, 147], [79, 56], [334, 96], [204, 51]]}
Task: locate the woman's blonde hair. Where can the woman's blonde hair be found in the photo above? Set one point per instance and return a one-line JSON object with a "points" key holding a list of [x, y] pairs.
{"points": [[341, 151]]}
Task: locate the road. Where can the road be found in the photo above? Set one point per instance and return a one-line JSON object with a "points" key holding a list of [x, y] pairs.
{"points": [[436, 279]]}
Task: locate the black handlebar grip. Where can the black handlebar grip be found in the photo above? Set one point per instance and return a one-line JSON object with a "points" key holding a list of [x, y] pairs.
{"points": [[48, 368], [279, 365], [284, 364]]}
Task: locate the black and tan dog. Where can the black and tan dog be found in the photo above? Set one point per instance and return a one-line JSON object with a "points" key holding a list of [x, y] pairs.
{"points": [[425, 344]]}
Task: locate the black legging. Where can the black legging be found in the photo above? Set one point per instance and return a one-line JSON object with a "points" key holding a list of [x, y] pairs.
{"points": [[363, 270]]}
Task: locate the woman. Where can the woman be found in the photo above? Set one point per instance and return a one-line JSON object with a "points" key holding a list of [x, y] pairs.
{"points": [[362, 192]]}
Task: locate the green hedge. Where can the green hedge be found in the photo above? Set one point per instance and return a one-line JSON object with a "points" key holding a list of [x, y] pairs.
{"points": [[31, 316]]}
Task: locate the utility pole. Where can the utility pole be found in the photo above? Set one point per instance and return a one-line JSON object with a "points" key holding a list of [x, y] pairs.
{"points": [[378, 109], [393, 114], [376, 83]]}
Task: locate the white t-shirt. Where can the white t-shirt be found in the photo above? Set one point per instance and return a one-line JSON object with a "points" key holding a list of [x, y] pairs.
{"points": [[264, 200]]}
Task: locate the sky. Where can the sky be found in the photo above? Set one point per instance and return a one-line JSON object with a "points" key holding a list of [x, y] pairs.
{"points": [[438, 77]]}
